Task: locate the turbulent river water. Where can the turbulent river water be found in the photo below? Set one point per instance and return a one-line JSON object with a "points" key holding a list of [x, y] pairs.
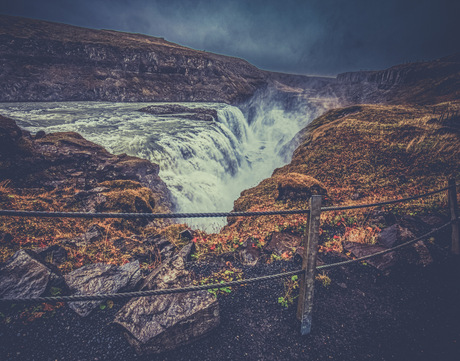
{"points": [[204, 164]]}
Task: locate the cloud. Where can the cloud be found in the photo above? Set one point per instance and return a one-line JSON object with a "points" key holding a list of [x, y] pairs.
{"points": [[300, 36]]}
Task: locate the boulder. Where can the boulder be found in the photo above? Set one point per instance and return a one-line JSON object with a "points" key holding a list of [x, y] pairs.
{"points": [[416, 253], [10, 134], [24, 276], [161, 244], [414, 224], [5, 237], [248, 253], [160, 323], [40, 134], [432, 221], [186, 235], [384, 263], [422, 254], [298, 186], [394, 235], [281, 242], [100, 278]]}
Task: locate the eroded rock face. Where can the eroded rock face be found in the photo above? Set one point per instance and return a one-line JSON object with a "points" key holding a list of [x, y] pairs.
{"points": [[160, 323], [204, 114], [61, 160], [25, 276], [40, 57], [281, 242], [100, 278]]}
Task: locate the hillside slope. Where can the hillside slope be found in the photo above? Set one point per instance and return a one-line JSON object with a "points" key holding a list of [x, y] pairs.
{"points": [[379, 149], [428, 82], [44, 61], [362, 154]]}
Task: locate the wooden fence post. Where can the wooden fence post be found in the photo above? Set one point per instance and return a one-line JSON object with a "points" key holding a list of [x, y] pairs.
{"points": [[307, 282], [453, 206]]}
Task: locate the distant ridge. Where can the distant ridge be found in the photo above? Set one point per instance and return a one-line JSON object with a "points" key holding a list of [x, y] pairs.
{"points": [[45, 61]]}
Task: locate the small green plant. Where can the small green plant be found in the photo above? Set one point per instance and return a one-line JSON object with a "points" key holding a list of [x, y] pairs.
{"points": [[223, 276], [55, 291], [275, 257], [288, 296], [107, 305]]}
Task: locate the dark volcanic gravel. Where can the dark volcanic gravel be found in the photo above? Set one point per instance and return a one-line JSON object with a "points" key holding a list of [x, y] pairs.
{"points": [[414, 314]]}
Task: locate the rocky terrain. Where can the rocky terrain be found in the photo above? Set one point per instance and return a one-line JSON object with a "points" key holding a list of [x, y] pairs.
{"points": [[204, 114], [42, 61], [62, 160], [429, 82], [397, 306]]}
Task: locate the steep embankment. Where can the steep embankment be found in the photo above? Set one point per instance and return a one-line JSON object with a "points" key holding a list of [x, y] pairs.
{"points": [[429, 82], [65, 172], [376, 148], [361, 154], [43, 61]]}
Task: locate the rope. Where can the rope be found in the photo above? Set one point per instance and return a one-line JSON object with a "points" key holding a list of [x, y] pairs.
{"points": [[16, 213], [385, 251], [120, 296], [341, 208]]}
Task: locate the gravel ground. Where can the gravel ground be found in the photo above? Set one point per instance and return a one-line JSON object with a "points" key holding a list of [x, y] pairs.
{"points": [[413, 314]]}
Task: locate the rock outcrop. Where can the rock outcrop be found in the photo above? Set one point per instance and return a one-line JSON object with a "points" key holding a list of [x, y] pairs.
{"points": [[160, 323], [25, 276], [205, 114], [100, 278], [59, 160], [281, 242], [422, 82], [390, 237], [43, 61]]}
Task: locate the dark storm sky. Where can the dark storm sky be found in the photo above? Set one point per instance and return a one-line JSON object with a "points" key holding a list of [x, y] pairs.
{"points": [[323, 37]]}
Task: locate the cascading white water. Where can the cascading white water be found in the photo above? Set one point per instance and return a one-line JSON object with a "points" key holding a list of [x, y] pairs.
{"points": [[204, 164]]}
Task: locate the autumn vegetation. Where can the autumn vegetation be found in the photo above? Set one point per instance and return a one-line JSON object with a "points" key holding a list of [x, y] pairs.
{"points": [[353, 155]]}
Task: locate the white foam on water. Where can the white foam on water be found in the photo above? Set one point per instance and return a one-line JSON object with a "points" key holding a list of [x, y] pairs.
{"points": [[204, 164]]}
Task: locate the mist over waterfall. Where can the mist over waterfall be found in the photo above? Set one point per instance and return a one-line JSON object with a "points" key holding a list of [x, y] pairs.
{"points": [[205, 164]]}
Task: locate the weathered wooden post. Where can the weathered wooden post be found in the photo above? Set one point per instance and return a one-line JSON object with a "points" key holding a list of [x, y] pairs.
{"points": [[307, 282], [453, 206]]}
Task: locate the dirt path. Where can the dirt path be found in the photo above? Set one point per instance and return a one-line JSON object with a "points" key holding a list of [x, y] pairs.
{"points": [[412, 315]]}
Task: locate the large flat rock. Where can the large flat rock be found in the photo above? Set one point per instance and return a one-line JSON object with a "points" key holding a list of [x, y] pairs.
{"points": [[25, 276], [99, 278], [159, 323]]}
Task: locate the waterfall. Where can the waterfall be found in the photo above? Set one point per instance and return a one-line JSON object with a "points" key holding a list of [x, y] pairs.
{"points": [[204, 164]]}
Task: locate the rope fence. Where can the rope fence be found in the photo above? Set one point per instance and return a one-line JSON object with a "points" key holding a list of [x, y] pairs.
{"points": [[309, 267], [125, 295], [43, 214]]}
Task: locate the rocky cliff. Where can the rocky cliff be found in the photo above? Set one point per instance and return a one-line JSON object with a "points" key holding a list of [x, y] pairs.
{"points": [[422, 82], [67, 160], [43, 61]]}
